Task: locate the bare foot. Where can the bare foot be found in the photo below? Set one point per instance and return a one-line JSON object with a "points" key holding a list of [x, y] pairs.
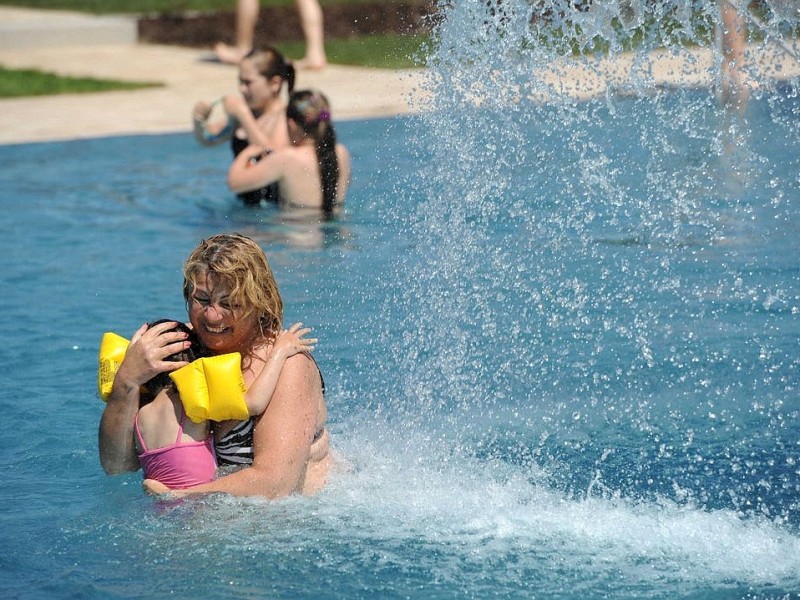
{"points": [[230, 55], [311, 64]]}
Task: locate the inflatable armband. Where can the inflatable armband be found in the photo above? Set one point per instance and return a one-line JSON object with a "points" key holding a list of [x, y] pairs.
{"points": [[112, 351], [212, 388]]}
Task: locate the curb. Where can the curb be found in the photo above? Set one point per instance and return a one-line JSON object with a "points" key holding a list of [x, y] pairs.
{"points": [[22, 29]]}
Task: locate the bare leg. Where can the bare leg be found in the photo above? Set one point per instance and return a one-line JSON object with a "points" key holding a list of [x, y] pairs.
{"points": [[312, 23], [734, 79], [246, 19]]}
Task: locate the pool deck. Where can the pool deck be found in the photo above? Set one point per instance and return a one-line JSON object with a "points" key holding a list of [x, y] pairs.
{"points": [[106, 47]]}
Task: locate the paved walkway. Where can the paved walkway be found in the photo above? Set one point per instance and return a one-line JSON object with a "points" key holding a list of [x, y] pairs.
{"points": [[106, 47]]}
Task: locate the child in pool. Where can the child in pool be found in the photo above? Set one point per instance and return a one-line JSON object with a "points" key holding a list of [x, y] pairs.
{"points": [[179, 452]]}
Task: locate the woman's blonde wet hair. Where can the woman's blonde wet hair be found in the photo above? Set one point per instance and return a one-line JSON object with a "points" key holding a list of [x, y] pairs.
{"points": [[239, 263]]}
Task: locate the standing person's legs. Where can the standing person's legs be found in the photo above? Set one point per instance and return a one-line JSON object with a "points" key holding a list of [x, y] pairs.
{"points": [[734, 40], [312, 23], [732, 36], [246, 19]]}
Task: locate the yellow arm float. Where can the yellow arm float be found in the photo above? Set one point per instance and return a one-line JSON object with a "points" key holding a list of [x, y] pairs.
{"points": [[212, 388], [112, 351]]}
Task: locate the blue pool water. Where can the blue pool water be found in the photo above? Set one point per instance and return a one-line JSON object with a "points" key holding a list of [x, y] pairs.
{"points": [[541, 388], [560, 343]]}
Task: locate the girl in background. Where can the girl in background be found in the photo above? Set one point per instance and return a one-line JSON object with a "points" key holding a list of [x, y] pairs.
{"points": [[312, 172], [256, 115]]}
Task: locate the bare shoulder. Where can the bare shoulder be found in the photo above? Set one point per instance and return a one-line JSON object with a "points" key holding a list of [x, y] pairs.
{"points": [[158, 420], [342, 153], [290, 159], [296, 408], [301, 370], [160, 408]]}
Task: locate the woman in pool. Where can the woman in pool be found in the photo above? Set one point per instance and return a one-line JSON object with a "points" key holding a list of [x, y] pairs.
{"points": [[179, 452], [256, 116], [312, 172], [234, 306]]}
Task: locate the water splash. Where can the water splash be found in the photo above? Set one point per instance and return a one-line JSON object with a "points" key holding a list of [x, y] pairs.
{"points": [[590, 270]]}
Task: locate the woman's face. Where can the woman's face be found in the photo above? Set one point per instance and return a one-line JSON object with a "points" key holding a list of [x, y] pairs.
{"points": [[258, 91], [218, 321]]}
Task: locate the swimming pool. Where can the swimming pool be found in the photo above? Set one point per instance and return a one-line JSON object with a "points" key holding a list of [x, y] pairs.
{"points": [[560, 344], [544, 392]]}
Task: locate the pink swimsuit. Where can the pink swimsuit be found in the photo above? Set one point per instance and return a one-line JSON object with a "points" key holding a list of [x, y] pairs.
{"points": [[181, 465]]}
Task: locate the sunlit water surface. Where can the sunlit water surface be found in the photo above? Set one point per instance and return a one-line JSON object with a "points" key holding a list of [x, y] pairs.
{"points": [[560, 345]]}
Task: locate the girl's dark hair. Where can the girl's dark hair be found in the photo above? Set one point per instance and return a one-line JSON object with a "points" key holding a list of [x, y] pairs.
{"points": [[270, 63], [162, 380], [311, 111]]}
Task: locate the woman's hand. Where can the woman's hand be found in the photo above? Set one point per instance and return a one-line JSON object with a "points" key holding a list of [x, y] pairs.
{"points": [[201, 111], [156, 488], [144, 358], [291, 341]]}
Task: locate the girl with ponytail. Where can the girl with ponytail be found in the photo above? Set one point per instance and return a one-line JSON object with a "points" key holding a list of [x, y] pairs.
{"points": [[254, 116], [312, 172]]}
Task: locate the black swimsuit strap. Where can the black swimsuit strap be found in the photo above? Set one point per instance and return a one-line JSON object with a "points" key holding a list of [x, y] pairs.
{"points": [[321, 378]]}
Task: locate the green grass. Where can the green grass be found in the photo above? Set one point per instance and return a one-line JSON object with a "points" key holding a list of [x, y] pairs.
{"points": [[160, 6], [16, 83], [375, 51]]}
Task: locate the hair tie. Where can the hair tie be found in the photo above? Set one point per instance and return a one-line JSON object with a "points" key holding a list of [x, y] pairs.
{"points": [[324, 116]]}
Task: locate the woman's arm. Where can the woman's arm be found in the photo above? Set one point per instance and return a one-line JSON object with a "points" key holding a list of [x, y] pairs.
{"points": [[144, 359], [245, 175], [287, 344], [236, 107], [281, 441], [211, 133]]}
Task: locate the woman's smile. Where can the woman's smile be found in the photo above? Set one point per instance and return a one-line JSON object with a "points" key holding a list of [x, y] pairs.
{"points": [[217, 319]]}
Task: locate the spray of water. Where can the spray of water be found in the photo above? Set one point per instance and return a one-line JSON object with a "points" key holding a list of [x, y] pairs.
{"points": [[578, 258]]}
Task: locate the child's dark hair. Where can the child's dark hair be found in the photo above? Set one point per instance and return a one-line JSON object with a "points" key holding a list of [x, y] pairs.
{"points": [[311, 111], [162, 380]]}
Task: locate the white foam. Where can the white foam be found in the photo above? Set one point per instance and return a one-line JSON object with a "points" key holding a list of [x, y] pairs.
{"points": [[484, 510]]}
